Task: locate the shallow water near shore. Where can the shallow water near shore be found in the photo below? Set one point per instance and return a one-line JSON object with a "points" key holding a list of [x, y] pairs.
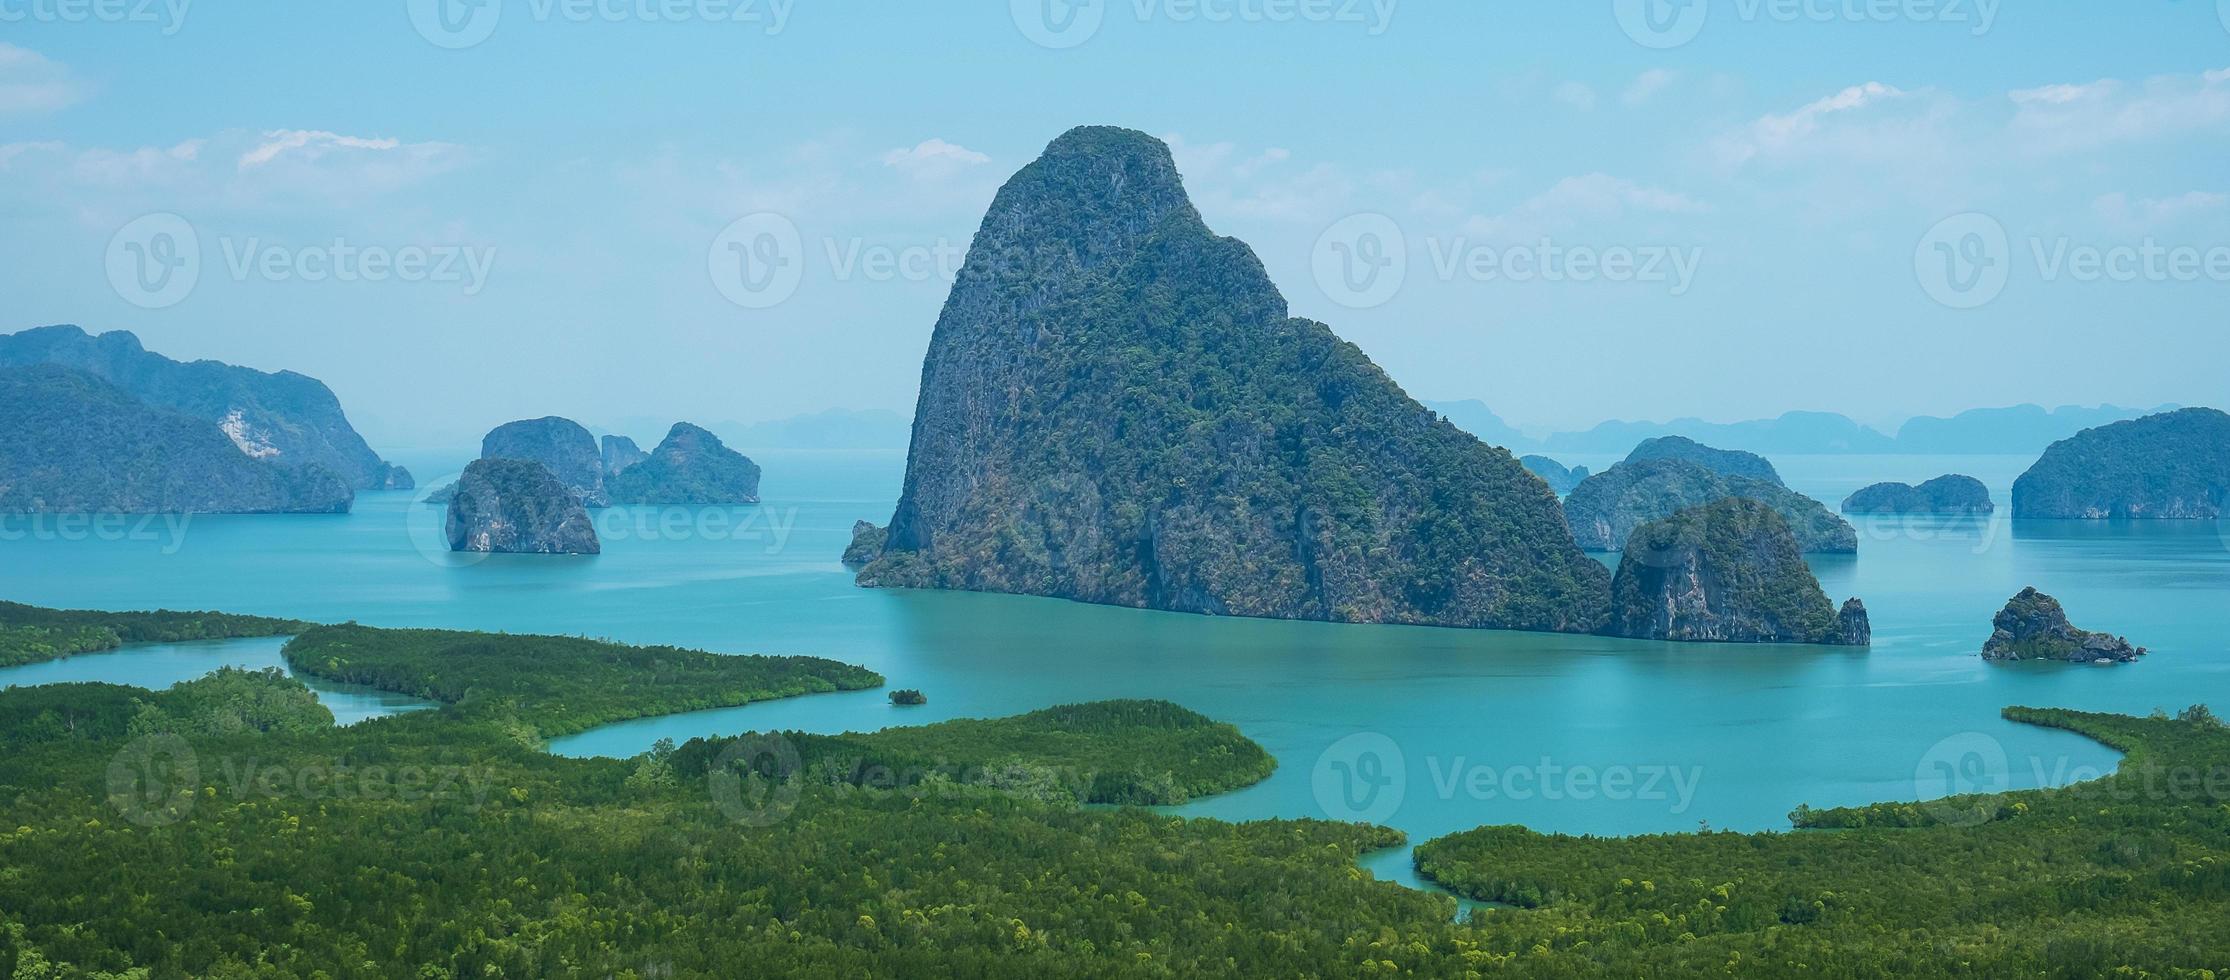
{"points": [[1426, 730]]}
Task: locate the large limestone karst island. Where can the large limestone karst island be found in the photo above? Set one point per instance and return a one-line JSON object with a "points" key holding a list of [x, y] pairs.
{"points": [[503, 505], [1116, 408], [2173, 466]]}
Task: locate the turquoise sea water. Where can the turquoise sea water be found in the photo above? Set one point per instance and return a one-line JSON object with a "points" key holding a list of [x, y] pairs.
{"points": [[1427, 730]]}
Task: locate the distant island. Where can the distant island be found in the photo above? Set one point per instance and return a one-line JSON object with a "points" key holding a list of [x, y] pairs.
{"points": [[2018, 430], [690, 466], [1667, 477], [2174, 466], [1726, 572], [1559, 478], [1132, 418], [1953, 495], [71, 442], [285, 418]]}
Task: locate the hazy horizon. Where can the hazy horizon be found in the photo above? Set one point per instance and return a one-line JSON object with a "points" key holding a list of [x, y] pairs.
{"points": [[570, 184]]}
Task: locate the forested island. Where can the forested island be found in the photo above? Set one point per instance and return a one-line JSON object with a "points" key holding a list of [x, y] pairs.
{"points": [[448, 842]]}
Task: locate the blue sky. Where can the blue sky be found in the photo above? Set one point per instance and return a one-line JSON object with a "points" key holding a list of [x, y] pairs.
{"points": [[549, 205]]}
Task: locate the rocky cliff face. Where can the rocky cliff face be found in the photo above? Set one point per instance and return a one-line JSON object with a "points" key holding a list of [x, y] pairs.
{"points": [[1606, 508], [515, 506], [620, 453], [690, 466], [1554, 474], [561, 445], [1945, 495], [2033, 626], [284, 418], [1725, 462], [867, 543], [1726, 572], [1115, 408], [73, 443], [2174, 466]]}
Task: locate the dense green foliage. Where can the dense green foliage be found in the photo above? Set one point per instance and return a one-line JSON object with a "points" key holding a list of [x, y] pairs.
{"points": [[1553, 473], [690, 466], [72, 443], [2126, 875], [1604, 509], [1725, 462], [559, 684], [1727, 571], [30, 634], [1116, 408], [2174, 466], [1149, 753], [1952, 494]]}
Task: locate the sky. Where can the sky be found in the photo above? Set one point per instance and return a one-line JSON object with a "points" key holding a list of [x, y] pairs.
{"points": [[460, 212]]}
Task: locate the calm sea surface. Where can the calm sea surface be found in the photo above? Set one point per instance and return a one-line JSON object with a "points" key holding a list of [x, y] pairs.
{"points": [[1427, 730]]}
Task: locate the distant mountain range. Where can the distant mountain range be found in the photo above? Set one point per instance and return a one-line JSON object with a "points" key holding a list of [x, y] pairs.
{"points": [[2019, 430]]}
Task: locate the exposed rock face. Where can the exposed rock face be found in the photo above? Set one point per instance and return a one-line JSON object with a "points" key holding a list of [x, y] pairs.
{"points": [[620, 453], [2034, 627], [284, 418], [1606, 508], [1725, 462], [1554, 474], [867, 543], [560, 445], [1726, 572], [516, 506], [2174, 466], [73, 443], [1953, 495], [1116, 408], [690, 466], [393, 477]]}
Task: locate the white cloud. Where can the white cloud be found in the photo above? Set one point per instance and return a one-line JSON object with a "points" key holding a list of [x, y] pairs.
{"points": [[934, 159], [32, 83], [1226, 182], [308, 143], [1791, 132], [2060, 118], [2118, 208], [1646, 85], [1575, 95]]}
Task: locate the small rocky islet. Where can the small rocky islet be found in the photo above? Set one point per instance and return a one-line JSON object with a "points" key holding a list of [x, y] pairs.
{"points": [[2033, 626], [516, 506], [1726, 572], [1952, 495]]}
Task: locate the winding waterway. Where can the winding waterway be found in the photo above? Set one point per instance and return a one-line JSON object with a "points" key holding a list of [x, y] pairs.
{"points": [[1426, 730]]}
